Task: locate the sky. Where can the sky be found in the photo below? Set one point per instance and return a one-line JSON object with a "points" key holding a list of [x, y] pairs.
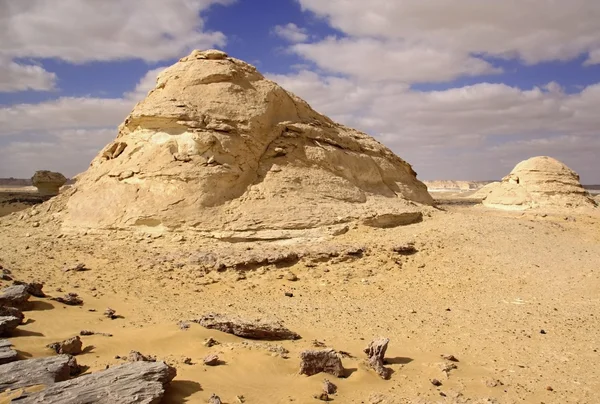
{"points": [[461, 89]]}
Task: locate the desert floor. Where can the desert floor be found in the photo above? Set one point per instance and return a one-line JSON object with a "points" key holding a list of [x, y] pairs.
{"points": [[514, 296]]}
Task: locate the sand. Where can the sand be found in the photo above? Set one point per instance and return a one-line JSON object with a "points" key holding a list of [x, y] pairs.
{"points": [[482, 286]]}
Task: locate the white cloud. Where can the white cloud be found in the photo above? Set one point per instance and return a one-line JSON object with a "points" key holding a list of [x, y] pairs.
{"points": [[472, 132], [87, 30], [532, 30], [145, 84], [376, 60], [291, 32], [20, 77]]}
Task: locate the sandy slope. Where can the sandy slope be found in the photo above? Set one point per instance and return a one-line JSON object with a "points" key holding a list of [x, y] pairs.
{"points": [[482, 287]]}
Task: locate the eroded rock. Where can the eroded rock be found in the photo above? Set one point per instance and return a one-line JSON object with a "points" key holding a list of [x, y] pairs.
{"points": [[246, 328], [70, 299], [317, 361], [48, 182], [8, 324], [376, 353], [71, 346], [14, 296], [33, 288]]}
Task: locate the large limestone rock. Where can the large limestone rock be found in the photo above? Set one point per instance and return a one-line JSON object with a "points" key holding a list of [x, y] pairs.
{"points": [[217, 147], [537, 182], [48, 182]]}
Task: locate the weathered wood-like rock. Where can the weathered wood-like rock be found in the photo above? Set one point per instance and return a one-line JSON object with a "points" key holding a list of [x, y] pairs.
{"points": [[32, 372], [131, 383], [324, 360], [376, 353], [33, 288], [7, 354], [71, 346], [14, 296], [251, 329], [8, 323], [11, 311]]}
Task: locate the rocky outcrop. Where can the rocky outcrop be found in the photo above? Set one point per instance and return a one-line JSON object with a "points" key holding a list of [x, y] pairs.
{"points": [[448, 186], [216, 147], [48, 182], [247, 328], [31, 372], [318, 361], [535, 183], [138, 382]]}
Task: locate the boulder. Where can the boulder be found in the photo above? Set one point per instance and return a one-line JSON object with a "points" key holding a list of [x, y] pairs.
{"points": [[14, 296], [537, 183], [246, 328], [7, 353], [48, 182], [7, 311], [131, 383], [216, 147], [31, 372], [33, 288], [324, 360]]}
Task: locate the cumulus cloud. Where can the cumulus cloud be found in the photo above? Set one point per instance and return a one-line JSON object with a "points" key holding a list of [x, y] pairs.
{"points": [[291, 32], [88, 30], [377, 60], [473, 132], [20, 77], [531, 30]]}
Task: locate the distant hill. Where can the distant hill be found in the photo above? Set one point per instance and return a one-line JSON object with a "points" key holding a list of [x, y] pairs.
{"points": [[21, 182]]}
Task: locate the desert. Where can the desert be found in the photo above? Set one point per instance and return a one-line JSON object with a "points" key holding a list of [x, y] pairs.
{"points": [[233, 245]]}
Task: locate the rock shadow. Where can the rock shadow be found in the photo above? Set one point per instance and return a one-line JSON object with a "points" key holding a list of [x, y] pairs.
{"points": [[18, 332], [398, 360], [180, 390], [348, 372], [39, 306]]}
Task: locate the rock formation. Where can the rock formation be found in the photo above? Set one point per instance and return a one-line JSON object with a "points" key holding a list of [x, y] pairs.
{"points": [[217, 147], [317, 361], [48, 182], [537, 182]]}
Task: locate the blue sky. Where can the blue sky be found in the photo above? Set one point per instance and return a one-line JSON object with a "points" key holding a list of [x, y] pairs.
{"points": [[463, 96]]}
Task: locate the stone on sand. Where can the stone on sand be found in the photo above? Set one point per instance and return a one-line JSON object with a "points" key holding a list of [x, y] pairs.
{"points": [[261, 329], [71, 346], [376, 353], [217, 147], [14, 296], [537, 183], [30, 372]]}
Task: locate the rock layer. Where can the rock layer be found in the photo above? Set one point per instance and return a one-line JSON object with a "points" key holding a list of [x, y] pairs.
{"points": [[537, 182], [217, 146]]}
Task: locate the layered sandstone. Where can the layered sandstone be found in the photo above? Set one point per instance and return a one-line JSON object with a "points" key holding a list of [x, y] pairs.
{"points": [[217, 147]]}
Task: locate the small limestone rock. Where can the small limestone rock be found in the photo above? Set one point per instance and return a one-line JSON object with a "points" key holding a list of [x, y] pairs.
{"points": [[211, 360], [188, 361], [290, 276], [317, 361], [436, 382], [88, 332], [322, 396], [33, 288], [211, 342], [76, 268], [450, 358], [329, 387], [71, 346], [183, 325], [135, 356], [214, 399], [376, 353], [70, 299], [110, 313]]}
